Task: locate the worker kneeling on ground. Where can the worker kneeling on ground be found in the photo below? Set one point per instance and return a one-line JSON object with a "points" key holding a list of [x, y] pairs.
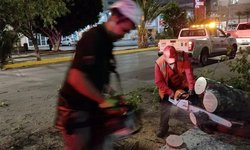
{"points": [[173, 71]]}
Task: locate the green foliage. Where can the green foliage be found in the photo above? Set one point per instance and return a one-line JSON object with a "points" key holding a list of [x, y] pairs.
{"points": [[23, 15], [241, 65], [175, 18], [81, 13], [156, 98], [134, 98], [151, 9], [206, 73], [7, 40], [137, 97], [166, 34]]}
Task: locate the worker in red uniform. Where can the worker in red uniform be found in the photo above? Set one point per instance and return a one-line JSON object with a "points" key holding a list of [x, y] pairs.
{"points": [[173, 71]]}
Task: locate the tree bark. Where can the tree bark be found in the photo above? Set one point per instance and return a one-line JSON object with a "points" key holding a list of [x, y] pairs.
{"points": [[204, 123], [54, 36], [37, 52], [142, 36], [223, 100]]}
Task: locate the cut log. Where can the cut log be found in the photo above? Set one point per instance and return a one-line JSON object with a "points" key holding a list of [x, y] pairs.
{"points": [[174, 141], [210, 102], [202, 120], [222, 99], [193, 118], [200, 85]]}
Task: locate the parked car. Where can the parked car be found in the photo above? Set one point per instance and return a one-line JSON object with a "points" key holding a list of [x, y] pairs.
{"points": [[67, 42]]}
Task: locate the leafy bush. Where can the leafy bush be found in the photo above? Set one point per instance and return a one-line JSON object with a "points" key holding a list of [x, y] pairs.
{"points": [[162, 35], [241, 65], [7, 40], [134, 98]]}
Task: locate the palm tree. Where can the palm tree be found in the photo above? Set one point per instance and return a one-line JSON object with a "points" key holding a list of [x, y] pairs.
{"points": [[151, 9]]}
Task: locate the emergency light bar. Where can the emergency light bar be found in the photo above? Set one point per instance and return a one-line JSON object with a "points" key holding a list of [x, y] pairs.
{"points": [[210, 25]]}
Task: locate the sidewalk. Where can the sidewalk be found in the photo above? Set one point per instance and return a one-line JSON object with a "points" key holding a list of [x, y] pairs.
{"points": [[50, 57]]}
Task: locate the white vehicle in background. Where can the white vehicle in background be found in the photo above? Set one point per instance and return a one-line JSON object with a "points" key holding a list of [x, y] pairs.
{"points": [[68, 42], [202, 42]]}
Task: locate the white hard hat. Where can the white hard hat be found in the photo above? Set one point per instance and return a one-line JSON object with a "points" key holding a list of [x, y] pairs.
{"points": [[129, 9]]}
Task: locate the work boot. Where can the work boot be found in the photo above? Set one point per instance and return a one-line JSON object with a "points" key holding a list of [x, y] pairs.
{"points": [[161, 134]]}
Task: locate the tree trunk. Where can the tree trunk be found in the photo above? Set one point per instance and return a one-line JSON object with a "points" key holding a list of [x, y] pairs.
{"points": [[223, 100], [54, 36], [142, 36], [37, 52], [56, 41], [203, 121]]}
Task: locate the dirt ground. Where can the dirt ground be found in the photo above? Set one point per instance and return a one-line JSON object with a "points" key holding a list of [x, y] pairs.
{"points": [[28, 138]]}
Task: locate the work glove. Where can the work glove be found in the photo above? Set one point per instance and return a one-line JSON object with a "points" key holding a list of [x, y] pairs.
{"points": [[180, 94], [114, 106], [108, 103]]}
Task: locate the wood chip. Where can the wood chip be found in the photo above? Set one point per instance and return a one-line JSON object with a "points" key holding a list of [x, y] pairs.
{"points": [[174, 140]]}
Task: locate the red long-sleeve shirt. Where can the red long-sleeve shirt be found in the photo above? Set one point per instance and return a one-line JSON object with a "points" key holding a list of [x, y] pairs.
{"points": [[161, 80]]}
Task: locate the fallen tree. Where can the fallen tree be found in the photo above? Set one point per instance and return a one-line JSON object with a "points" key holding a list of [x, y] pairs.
{"points": [[223, 100]]}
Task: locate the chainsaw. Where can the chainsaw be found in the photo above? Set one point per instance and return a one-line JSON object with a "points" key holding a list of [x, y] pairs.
{"points": [[187, 106]]}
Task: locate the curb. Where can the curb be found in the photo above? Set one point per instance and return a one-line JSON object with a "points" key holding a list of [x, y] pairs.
{"points": [[66, 59]]}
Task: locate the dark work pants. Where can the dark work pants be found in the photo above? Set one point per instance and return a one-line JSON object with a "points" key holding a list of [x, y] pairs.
{"points": [[165, 109]]}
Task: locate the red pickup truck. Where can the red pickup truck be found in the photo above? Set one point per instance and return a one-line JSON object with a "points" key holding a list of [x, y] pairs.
{"points": [[242, 34]]}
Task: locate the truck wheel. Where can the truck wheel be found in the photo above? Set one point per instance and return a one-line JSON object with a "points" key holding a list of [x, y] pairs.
{"points": [[204, 58], [233, 52]]}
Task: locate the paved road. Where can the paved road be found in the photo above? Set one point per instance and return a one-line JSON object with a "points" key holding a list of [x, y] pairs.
{"points": [[30, 92]]}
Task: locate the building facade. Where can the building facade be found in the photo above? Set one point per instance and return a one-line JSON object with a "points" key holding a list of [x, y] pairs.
{"points": [[230, 12]]}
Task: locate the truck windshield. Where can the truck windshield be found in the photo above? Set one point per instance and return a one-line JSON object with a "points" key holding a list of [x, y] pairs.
{"points": [[193, 32]]}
